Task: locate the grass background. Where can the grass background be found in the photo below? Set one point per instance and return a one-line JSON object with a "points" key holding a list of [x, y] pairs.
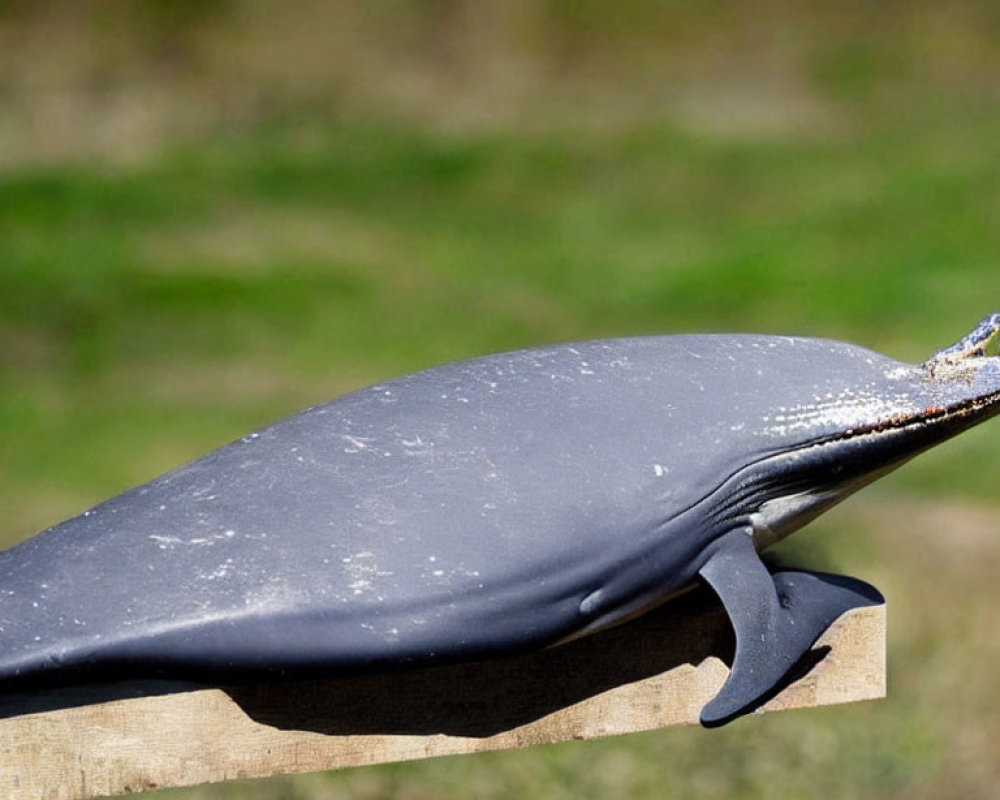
{"points": [[211, 218]]}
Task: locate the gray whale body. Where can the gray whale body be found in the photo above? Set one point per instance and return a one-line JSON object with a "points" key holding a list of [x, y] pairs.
{"points": [[488, 507]]}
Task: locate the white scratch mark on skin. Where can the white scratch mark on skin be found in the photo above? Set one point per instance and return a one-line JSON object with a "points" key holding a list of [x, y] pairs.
{"points": [[362, 569], [166, 541], [169, 542], [358, 443], [846, 409], [220, 572]]}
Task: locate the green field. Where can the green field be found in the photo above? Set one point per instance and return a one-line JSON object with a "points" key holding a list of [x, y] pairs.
{"points": [[152, 311]]}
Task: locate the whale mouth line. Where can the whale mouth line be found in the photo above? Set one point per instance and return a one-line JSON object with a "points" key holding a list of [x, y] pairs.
{"points": [[838, 464], [930, 418], [931, 415]]}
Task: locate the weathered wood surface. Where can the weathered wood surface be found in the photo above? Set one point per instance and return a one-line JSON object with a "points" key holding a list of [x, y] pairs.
{"points": [[654, 672]]}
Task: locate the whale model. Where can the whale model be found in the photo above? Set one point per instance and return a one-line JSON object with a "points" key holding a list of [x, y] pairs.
{"points": [[489, 507]]}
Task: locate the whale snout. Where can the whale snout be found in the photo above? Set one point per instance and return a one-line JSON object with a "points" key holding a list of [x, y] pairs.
{"points": [[964, 374], [973, 345]]}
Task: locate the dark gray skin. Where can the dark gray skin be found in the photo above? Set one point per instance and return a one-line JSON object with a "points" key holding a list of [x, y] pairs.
{"points": [[488, 507]]}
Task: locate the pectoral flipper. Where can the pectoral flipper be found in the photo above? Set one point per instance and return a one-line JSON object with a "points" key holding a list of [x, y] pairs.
{"points": [[777, 618]]}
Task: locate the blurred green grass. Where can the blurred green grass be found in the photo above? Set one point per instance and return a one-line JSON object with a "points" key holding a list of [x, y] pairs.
{"points": [[150, 312], [233, 281]]}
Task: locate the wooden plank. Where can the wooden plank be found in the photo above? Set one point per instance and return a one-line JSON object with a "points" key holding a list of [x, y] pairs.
{"points": [[654, 672]]}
